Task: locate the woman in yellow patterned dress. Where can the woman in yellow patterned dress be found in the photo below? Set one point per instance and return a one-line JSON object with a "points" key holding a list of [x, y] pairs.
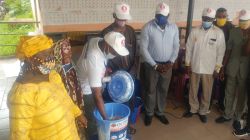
{"points": [[40, 108]]}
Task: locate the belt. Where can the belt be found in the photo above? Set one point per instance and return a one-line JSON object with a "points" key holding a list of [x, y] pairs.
{"points": [[162, 62]]}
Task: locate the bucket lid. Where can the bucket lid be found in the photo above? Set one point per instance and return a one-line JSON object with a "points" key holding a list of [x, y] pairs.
{"points": [[121, 87]]}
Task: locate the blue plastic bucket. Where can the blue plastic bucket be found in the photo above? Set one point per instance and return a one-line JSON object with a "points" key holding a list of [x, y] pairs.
{"points": [[135, 112], [113, 129]]}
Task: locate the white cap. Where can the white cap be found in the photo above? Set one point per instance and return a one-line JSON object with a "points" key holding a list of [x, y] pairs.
{"points": [[117, 41], [162, 8], [209, 12], [244, 15], [122, 11]]}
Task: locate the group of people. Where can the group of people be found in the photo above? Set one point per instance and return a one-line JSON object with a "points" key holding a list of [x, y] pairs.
{"points": [[52, 96], [218, 51]]}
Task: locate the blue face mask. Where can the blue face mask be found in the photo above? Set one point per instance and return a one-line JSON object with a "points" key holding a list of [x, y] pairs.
{"points": [[206, 25], [161, 20]]}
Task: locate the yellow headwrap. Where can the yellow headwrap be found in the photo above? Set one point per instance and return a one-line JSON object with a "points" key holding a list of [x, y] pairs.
{"points": [[31, 45]]}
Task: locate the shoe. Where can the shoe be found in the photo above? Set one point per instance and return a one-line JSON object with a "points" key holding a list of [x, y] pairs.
{"points": [[148, 120], [236, 125], [162, 119], [222, 120], [203, 118], [188, 114], [242, 132]]}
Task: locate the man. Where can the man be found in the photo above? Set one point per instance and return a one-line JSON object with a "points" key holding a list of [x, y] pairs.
{"points": [[246, 130], [91, 68], [159, 47], [237, 71], [225, 25], [128, 63], [204, 53]]}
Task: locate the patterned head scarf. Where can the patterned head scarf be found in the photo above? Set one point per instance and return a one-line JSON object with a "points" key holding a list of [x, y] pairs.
{"points": [[58, 52]]}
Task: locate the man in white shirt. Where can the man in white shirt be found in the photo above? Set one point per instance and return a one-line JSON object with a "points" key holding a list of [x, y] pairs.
{"points": [[205, 50], [91, 68]]}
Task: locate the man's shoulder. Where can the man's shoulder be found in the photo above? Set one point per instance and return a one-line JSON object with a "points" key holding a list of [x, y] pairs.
{"points": [[173, 25], [128, 27], [236, 29], [94, 40], [107, 29], [196, 29], [149, 23], [217, 30]]}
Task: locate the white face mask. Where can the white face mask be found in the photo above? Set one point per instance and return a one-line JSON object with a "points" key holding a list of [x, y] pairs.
{"points": [[109, 55]]}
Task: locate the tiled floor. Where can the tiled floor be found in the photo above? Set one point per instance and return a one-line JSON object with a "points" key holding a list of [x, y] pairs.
{"points": [[178, 129], [185, 129]]}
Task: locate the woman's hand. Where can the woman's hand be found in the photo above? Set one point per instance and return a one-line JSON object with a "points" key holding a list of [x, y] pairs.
{"points": [[82, 121]]}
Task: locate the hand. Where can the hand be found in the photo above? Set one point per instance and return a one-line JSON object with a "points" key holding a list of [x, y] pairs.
{"points": [[167, 66], [108, 72], [222, 74], [160, 68], [188, 70], [82, 121], [215, 75]]}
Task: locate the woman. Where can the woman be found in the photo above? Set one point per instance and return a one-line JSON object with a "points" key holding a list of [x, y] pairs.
{"points": [[64, 66], [39, 106]]}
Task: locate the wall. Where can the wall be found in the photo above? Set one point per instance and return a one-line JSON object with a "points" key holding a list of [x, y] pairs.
{"points": [[78, 12]]}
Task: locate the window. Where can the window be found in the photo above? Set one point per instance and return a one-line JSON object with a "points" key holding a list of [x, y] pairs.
{"points": [[16, 19]]}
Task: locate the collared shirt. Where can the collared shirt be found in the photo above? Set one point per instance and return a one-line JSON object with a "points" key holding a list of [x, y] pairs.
{"points": [[91, 66], [205, 50], [158, 44], [123, 62]]}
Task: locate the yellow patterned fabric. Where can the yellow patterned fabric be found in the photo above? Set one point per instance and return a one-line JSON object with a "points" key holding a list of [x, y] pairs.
{"points": [[29, 46], [42, 111]]}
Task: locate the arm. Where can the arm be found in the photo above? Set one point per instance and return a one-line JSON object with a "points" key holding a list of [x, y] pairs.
{"points": [[21, 115], [189, 48], [176, 46], [144, 44], [221, 47], [228, 50], [95, 75], [97, 92], [133, 69]]}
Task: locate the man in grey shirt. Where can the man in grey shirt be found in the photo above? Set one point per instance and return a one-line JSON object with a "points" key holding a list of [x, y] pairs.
{"points": [[159, 48]]}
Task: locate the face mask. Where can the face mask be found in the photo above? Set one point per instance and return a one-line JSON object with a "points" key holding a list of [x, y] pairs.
{"points": [[109, 55], [161, 20], [244, 25], [221, 21], [121, 23], [46, 67], [206, 25]]}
